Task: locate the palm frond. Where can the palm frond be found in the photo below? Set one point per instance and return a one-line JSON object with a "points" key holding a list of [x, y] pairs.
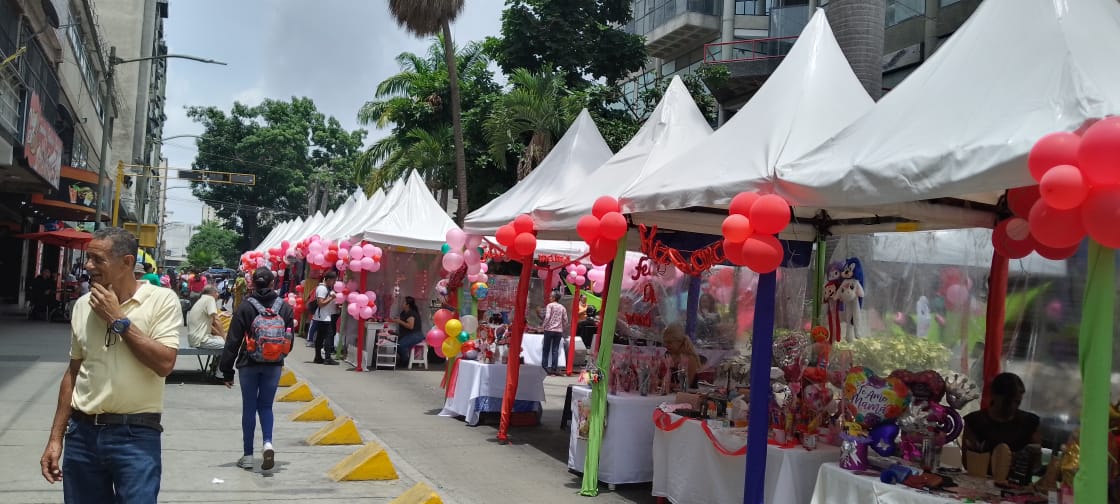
{"points": [[424, 17]]}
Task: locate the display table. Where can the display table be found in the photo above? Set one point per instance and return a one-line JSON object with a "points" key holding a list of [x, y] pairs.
{"points": [[479, 388], [626, 455], [531, 344], [688, 468], [836, 485]]}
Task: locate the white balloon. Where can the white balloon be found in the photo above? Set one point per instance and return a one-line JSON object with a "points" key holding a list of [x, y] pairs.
{"points": [[470, 323]]}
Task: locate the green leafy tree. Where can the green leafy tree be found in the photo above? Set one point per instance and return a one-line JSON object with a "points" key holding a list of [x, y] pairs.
{"points": [[412, 104], [213, 245], [536, 111], [433, 17], [287, 145], [577, 38]]}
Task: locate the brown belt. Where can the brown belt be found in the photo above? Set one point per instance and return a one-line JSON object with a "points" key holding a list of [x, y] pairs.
{"points": [[149, 420]]}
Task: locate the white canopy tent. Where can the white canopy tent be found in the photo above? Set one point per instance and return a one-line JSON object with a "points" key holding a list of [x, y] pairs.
{"points": [[344, 212], [412, 218], [568, 167], [278, 233], [961, 125], [811, 96], [675, 125], [350, 225]]}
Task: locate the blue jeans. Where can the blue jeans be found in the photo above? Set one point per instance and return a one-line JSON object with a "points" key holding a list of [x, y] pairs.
{"points": [[258, 389], [551, 344], [405, 344], [110, 463]]}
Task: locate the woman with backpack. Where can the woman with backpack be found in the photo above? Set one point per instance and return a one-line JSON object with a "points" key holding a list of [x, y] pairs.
{"points": [[260, 335]]}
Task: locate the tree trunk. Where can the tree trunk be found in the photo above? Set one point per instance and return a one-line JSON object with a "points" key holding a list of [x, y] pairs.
{"points": [[249, 229], [456, 123]]}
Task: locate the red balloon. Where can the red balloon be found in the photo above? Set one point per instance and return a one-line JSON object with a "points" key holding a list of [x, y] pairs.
{"points": [[762, 253], [1053, 150], [603, 206], [1009, 247], [523, 224], [612, 226], [1021, 199], [736, 228], [1099, 152], [1018, 228], [770, 214], [733, 251], [603, 251], [1056, 228], [299, 288], [1063, 187], [1101, 213], [741, 204], [332, 256], [505, 235], [588, 228], [1056, 254], [525, 244]]}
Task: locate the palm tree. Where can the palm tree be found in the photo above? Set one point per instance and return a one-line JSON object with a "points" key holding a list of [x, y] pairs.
{"points": [[428, 152], [426, 18], [536, 107]]}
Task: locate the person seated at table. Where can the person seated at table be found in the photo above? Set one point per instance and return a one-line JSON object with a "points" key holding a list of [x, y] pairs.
{"points": [[204, 330], [680, 349], [411, 334], [1001, 429], [588, 327]]}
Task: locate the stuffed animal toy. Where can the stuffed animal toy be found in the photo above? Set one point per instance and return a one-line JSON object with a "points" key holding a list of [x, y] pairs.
{"points": [[850, 293], [853, 270], [924, 318], [832, 307]]}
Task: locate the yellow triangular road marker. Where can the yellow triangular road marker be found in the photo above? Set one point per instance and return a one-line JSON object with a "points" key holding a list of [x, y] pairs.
{"points": [[370, 462], [342, 431], [287, 378], [318, 410], [299, 392], [418, 494]]}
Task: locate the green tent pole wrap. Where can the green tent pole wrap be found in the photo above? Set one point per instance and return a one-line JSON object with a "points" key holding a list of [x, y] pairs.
{"points": [[818, 281], [599, 390], [1095, 356]]}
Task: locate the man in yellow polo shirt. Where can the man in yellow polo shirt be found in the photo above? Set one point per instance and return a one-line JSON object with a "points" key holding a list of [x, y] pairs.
{"points": [[124, 340]]}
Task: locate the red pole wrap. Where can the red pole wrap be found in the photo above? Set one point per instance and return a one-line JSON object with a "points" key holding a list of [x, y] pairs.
{"points": [[361, 324], [513, 363], [572, 333], [997, 313]]}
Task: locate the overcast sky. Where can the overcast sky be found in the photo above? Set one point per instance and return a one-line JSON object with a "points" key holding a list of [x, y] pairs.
{"points": [[333, 51]]}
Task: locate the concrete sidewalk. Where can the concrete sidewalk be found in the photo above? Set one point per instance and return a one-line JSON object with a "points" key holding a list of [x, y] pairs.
{"points": [[201, 442]]}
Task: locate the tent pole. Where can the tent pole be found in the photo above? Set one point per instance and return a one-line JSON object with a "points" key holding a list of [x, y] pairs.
{"points": [[1095, 356], [692, 307], [599, 390], [997, 313], [513, 362], [758, 422], [570, 358], [818, 281]]}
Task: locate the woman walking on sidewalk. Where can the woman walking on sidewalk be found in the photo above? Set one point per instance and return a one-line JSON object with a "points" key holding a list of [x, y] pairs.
{"points": [[254, 325]]}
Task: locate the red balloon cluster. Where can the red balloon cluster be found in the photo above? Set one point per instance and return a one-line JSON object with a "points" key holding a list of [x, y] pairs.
{"points": [[749, 229], [518, 237], [602, 229], [297, 304], [1078, 194]]}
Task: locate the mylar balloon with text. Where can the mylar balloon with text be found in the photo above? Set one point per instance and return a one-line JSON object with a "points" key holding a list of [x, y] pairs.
{"points": [[873, 399]]}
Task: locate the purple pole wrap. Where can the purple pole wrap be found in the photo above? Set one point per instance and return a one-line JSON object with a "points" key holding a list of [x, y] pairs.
{"points": [[754, 483], [692, 307]]}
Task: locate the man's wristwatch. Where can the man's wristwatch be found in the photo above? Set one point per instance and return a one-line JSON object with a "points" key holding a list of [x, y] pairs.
{"points": [[120, 326]]}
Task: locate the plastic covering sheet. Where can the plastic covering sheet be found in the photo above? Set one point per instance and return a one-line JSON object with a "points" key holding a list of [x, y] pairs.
{"points": [[412, 274]]}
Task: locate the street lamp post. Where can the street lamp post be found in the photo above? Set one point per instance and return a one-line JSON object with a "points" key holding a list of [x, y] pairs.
{"points": [[108, 117]]}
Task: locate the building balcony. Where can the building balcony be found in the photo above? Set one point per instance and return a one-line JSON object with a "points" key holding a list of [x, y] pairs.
{"points": [[675, 26], [749, 63]]}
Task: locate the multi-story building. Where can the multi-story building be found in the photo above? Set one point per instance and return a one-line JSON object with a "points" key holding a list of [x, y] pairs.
{"points": [[135, 28], [176, 237], [751, 36], [52, 65]]}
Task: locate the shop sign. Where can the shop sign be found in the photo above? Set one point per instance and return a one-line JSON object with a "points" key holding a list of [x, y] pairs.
{"points": [[75, 192], [41, 145]]}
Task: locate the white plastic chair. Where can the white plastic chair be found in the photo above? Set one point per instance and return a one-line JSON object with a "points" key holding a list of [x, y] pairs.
{"points": [[419, 355]]}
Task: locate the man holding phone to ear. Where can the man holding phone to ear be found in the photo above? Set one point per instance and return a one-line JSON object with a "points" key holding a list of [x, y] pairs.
{"points": [[124, 341]]}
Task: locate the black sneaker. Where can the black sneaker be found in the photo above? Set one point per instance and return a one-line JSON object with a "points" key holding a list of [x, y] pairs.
{"points": [[318, 360], [330, 362]]}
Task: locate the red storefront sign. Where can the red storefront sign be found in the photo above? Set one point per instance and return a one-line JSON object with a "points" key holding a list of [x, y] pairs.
{"points": [[41, 145]]}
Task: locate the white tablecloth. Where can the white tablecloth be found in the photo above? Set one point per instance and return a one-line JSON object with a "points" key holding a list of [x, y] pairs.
{"points": [[477, 380], [626, 455], [687, 469], [531, 344], [840, 486]]}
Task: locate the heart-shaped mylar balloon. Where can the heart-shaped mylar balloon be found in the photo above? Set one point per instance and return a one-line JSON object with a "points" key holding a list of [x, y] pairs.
{"points": [[872, 399], [927, 385]]}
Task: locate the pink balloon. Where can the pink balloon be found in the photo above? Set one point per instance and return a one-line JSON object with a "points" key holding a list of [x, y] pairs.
{"points": [[1018, 228], [368, 250], [353, 310], [356, 252], [367, 263], [597, 287], [1063, 187], [344, 244], [435, 338], [456, 238], [355, 265], [483, 268], [337, 287], [315, 248], [474, 269], [482, 277], [372, 296], [473, 241], [344, 254], [340, 265], [957, 295], [441, 317], [376, 253], [452, 261], [376, 267], [284, 244], [338, 300], [578, 280], [471, 256], [361, 300], [352, 298], [366, 312], [581, 269], [472, 278]]}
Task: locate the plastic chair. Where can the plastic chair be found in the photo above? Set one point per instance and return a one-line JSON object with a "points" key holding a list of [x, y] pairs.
{"points": [[419, 355]]}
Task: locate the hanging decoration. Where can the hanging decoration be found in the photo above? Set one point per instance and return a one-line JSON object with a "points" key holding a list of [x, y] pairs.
{"points": [[518, 237], [361, 306], [602, 229], [660, 254], [750, 228]]}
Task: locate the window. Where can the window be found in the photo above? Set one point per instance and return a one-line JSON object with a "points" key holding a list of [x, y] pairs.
{"points": [[9, 99], [902, 10], [83, 60]]}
